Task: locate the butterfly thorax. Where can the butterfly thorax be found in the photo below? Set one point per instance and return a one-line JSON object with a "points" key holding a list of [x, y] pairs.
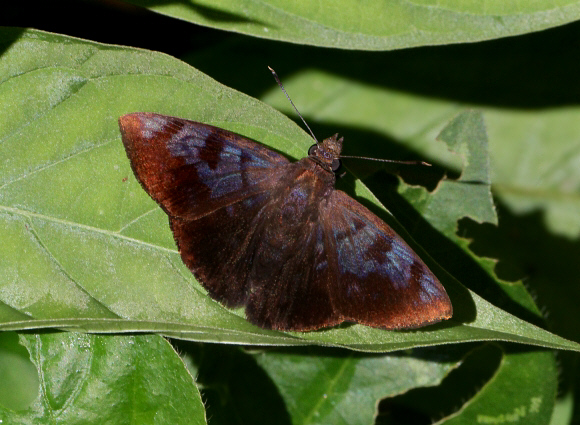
{"points": [[326, 154], [303, 187]]}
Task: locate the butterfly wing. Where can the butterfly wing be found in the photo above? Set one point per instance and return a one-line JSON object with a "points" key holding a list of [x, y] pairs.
{"points": [[192, 169], [378, 279], [217, 247], [213, 184]]}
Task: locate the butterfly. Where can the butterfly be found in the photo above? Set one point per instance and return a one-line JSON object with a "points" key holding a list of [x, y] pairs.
{"points": [[275, 236]]}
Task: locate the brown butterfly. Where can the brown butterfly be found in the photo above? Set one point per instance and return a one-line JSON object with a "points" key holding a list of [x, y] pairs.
{"points": [[275, 236]]}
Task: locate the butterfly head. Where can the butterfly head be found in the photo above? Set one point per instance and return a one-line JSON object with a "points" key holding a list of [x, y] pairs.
{"points": [[327, 153]]}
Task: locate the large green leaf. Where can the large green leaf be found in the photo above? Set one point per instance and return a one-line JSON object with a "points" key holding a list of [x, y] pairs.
{"points": [[86, 249], [78, 378], [372, 25]]}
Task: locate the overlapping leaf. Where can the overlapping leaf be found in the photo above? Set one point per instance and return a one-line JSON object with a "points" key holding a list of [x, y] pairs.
{"points": [[379, 25], [69, 377]]}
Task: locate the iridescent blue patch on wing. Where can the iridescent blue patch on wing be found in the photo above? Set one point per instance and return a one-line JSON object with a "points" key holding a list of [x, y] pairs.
{"points": [[226, 184], [249, 159], [196, 138], [356, 254], [397, 263], [188, 146], [351, 248], [429, 289], [226, 174], [152, 126], [231, 153]]}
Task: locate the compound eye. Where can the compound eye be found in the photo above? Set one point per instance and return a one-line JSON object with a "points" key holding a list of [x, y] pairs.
{"points": [[335, 165], [312, 150]]}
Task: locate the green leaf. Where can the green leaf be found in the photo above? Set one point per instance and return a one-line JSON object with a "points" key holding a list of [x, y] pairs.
{"points": [[313, 385], [543, 146], [500, 401], [310, 385], [19, 378], [465, 136], [341, 387], [372, 25], [137, 377], [86, 249]]}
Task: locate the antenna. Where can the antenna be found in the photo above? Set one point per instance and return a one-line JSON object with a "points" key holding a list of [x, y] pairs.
{"points": [[292, 103], [341, 156], [396, 161]]}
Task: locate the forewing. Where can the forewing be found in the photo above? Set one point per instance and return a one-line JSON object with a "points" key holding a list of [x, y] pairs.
{"points": [[192, 169], [379, 280]]}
